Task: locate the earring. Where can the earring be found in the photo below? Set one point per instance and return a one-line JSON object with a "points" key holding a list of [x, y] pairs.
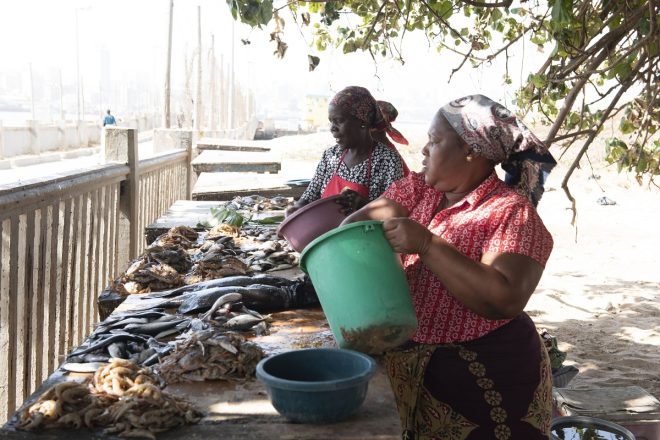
{"points": [[363, 126], [468, 158]]}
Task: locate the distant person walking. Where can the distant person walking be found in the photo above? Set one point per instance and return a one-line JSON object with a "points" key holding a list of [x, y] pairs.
{"points": [[109, 119]]}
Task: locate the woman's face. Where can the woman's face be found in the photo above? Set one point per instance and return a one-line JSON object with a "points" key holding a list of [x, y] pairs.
{"points": [[346, 129], [445, 164]]}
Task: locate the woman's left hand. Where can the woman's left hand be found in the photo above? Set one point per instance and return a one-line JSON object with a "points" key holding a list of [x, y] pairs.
{"points": [[406, 236]]}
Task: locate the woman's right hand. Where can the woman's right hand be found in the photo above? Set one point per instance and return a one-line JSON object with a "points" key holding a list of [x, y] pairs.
{"points": [[293, 208], [406, 236]]}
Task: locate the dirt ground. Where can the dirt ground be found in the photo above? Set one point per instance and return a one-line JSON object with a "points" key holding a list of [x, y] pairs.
{"points": [[600, 293]]}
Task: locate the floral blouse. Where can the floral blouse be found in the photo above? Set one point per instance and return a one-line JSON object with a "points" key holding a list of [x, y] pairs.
{"points": [[386, 168]]}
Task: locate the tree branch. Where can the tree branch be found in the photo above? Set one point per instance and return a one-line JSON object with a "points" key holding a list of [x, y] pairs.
{"points": [[443, 21], [459, 66], [505, 4], [373, 24], [585, 146], [570, 98]]}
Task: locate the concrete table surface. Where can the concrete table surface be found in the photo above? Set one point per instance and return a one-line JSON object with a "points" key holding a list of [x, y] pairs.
{"points": [[243, 410], [226, 186], [236, 161], [208, 143]]}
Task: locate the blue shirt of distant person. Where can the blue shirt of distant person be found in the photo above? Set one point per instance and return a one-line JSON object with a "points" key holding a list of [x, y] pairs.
{"points": [[109, 119]]}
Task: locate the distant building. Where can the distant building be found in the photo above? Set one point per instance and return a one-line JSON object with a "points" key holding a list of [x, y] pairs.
{"points": [[317, 111]]}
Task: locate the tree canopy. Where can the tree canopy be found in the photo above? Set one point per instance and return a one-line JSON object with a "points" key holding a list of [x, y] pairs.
{"points": [[602, 58]]}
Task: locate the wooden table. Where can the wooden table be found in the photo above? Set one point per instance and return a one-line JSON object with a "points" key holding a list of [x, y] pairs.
{"points": [[235, 161], [226, 186], [243, 410], [208, 143]]}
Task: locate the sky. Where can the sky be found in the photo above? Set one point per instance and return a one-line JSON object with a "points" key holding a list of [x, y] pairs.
{"points": [[131, 36]]}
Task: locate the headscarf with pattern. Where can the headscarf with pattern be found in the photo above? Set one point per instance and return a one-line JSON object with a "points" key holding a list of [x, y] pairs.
{"points": [[358, 102], [390, 113], [492, 131]]}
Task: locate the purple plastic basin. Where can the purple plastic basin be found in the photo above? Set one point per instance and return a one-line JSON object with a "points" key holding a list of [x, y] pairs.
{"points": [[311, 221]]}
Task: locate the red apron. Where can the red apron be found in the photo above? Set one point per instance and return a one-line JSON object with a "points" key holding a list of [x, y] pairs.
{"points": [[336, 184]]}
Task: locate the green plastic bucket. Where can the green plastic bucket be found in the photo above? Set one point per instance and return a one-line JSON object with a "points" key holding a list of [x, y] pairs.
{"points": [[361, 286]]}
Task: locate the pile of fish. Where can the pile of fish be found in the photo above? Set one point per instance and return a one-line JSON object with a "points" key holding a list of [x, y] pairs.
{"points": [[121, 398], [134, 336], [184, 256], [256, 203], [210, 355], [225, 305]]}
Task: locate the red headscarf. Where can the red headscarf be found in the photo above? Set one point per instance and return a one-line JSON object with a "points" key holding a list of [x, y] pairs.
{"points": [[390, 113]]}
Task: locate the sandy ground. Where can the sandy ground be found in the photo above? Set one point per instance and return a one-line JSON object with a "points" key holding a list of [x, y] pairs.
{"points": [[600, 293]]}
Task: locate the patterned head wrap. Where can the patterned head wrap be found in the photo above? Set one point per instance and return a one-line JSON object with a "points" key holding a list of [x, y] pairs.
{"points": [[358, 102], [390, 113], [492, 131]]}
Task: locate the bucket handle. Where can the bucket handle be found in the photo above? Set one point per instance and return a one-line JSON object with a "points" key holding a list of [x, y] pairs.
{"points": [[372, 226]]}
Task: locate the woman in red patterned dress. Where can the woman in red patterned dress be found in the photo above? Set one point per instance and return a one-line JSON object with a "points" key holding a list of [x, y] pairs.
{"points": [[474, 249]]}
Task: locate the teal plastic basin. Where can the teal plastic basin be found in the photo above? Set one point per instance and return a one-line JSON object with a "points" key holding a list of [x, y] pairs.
{"points": [[361, 286], [317, 385]]}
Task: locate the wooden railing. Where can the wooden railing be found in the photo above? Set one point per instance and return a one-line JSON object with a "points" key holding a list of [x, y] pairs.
{"points": [[62, 242], [162, 181]]}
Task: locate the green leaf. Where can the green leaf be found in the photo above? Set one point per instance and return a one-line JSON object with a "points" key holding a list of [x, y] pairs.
{"points": [[626, 126]]}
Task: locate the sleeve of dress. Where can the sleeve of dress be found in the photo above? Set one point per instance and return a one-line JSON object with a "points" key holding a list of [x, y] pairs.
{"points": [[390, 170], [407, 191], [315, 187], [520, 230]]}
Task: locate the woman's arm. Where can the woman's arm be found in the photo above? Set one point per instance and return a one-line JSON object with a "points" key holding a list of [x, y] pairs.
{"points": [[380, 209], [497, 287], [316, 185]]}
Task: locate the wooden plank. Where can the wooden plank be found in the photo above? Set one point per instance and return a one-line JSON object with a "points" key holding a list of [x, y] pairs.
{"points": [[5, 270], [98, 264], [29, 294], [231, 161], [41, 297], [48, 292], [67, 296], [208, 143], [77, 310], [12, 317], [107, 250], [55, 336], [133, 194], [112, 239]]}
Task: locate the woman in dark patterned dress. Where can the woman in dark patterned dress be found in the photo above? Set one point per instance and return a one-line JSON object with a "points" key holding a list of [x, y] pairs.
{"points": [[357, 162], [474, 249]]}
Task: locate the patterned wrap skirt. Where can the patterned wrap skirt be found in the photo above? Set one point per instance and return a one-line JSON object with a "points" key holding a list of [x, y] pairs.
{"points": [[496, 387]]}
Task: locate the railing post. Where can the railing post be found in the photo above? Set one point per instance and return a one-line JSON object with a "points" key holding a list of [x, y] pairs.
{"points": [[2, 141], [35, 147], [187, 143], [121, 146]]}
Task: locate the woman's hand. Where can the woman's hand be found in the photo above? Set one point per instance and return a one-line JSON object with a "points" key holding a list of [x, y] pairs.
{"points": [[293, 208], [350, 201], [406, 236]]}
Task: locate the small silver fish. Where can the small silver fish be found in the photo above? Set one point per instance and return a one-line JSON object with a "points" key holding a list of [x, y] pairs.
{"points": [[243, 322]]}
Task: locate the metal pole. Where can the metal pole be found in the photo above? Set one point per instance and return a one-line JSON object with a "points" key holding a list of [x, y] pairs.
{"points": [[232, 91], [198, 100], [61, 98], [77, 64], [34, 118], [168, 68], [213, 113]]}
